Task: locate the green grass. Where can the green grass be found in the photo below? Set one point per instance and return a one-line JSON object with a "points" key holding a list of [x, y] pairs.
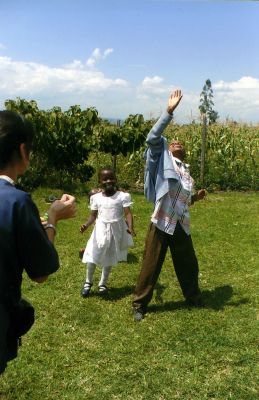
{"points": [[91, 348]]}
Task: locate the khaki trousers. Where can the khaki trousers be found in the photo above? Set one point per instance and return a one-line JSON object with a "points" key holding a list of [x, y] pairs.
{"points": [[184, 261]]}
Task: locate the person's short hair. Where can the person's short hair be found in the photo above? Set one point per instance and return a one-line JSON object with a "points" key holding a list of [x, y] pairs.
{"points": [[107, 168], [14, 130]]}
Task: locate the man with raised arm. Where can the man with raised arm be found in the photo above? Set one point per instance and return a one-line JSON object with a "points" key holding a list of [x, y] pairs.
{"points": [[169, 186]]}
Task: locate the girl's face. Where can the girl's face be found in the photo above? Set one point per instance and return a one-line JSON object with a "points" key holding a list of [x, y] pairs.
{"points": [[108, 181]]}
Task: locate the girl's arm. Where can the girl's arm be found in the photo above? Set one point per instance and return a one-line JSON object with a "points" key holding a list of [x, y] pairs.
{"points": [[90, 221], [129, 220]]}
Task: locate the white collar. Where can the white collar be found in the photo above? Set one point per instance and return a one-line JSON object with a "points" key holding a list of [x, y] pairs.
{"points": [[7, 178], [180, 162]]}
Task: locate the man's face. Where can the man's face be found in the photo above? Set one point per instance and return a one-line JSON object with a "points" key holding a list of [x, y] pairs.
{"points": [[177, 149]]}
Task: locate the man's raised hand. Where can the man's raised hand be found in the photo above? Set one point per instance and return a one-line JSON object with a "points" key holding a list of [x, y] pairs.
{"points": [[174, 100]]}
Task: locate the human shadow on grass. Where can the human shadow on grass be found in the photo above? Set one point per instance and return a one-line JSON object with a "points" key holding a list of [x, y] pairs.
{"points": [[215, 299], [117, 293], [220, 297]]}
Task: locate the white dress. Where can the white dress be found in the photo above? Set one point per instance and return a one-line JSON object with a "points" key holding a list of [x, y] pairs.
{"points": [[109, 241]]}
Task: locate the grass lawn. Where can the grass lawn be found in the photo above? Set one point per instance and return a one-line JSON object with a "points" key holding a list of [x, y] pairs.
{"points": [[91, 348]]}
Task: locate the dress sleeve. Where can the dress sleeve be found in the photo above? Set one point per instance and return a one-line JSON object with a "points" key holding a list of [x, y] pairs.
{"points": [[93, 202], [126, 200], [37, 255]]}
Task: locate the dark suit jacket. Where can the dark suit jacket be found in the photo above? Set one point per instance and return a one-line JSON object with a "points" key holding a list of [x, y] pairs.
{"points": [[24, 245]]}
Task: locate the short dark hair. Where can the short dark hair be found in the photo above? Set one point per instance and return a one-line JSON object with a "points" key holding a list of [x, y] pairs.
{"points": [[14, 130], [108, 168]]}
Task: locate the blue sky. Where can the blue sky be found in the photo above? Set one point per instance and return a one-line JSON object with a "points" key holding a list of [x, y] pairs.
{"points": [[125, 56]]}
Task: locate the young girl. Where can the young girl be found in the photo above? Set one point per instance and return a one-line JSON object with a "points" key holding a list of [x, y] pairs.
{"points": [[112, 235]]}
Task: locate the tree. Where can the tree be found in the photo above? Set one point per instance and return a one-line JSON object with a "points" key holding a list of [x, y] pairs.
{"points": [[123, 138], [208, 116], [206, 103], [62, 144]]}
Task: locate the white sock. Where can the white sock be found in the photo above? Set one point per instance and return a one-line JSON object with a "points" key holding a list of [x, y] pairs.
{"points": [[90, 268], [105, 275]]}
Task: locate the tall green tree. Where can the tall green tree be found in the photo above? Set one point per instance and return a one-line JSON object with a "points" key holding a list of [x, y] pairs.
{"points": [[206, 103], [208, 117]]}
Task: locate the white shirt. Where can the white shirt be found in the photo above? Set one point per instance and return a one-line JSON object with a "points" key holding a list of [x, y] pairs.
{"points": [[174, 205]]}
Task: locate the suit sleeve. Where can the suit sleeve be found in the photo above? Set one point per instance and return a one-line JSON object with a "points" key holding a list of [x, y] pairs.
{"points": [[37, 255]]}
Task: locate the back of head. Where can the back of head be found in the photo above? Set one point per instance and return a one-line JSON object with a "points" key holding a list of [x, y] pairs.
{"points": [[14, 130]]}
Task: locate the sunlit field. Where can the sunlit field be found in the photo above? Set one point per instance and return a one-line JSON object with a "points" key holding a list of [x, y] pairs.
{"points": [[92, 349]]}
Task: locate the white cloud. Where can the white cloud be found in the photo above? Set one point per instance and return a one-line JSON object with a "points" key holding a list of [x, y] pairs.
{"points": [[238, 100], [79, 83], [151, 82], [97, 55], [76, 64], [151, 86], [19, 78], [107, 52], [246, 82]]}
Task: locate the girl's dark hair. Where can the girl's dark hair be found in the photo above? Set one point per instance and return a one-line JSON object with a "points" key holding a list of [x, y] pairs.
{"points": [[108, 168], [14, 130]]}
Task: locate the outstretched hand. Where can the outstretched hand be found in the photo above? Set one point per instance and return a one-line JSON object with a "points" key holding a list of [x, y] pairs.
{"points": [[62, 209], [174, 100], [201, 194]]}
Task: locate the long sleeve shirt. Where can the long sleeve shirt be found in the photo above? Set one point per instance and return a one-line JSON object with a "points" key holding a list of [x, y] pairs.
{"points": [[167, 181]]}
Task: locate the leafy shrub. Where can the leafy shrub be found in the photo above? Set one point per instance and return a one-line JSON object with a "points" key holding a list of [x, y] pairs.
{"points": [[71, 146]]}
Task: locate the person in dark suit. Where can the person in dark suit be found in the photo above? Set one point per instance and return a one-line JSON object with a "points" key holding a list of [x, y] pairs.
{"points": [[25, 243]]}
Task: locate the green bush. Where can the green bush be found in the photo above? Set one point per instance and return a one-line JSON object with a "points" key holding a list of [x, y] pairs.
{"points": [[71, 146]]}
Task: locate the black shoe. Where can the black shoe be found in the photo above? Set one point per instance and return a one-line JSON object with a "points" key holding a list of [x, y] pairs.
{"points": [[138, 314], [103, 289], [86, 289]]}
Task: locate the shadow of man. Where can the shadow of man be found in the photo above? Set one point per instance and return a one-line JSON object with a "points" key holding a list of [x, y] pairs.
{"points": [[215, 299], [219, 297]]}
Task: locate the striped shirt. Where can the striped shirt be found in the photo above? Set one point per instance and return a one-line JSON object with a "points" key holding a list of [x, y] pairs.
{"points": [[174, 205]]}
